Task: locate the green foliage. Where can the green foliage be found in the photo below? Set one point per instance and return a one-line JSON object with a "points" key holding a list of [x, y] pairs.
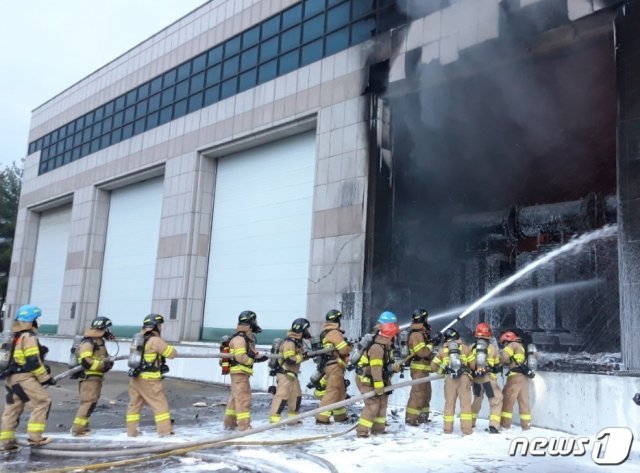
{"points": [[10, 182]]}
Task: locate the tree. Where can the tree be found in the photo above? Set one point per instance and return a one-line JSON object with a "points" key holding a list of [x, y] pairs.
{"points": [[10, 183]]}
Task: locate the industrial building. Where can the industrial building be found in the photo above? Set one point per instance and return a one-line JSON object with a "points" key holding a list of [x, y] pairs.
{"points": [[290, 157]]}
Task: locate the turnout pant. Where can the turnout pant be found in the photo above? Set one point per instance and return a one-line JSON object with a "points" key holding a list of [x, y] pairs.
{"points": [[150, 392], [488, 386], [419, 399], [516, 389], [90, 389], [288, 394], [238, 412], [336, 391], [459, 388], [374, 415], [24, 390]]}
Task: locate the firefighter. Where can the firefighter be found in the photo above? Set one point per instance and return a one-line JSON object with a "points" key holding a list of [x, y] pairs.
{"points": [[26, 377], [145, 385], [243, 348], [374, 373], [485, 364], [452, 361], [513, 354], [288, 391], [421, 347], [334, 368], [93, 356]]}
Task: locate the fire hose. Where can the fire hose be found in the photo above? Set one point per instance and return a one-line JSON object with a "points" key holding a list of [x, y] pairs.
{"points": [[77, 369], [173, 449]]}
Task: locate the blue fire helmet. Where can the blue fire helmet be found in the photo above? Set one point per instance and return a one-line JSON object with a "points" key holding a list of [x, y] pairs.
{"points": [[28, 313], [387, 317]]}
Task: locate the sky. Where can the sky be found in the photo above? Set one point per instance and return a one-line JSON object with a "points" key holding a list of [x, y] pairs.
{"points": [[49, 45]]}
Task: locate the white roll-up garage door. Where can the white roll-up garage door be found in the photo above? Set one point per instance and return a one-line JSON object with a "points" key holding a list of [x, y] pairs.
{"points": [[128, 270], [261, 235], [50, 264]]}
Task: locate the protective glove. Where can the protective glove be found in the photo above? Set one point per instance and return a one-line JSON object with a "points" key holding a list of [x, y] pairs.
{"points": [[47, 368], [397, 367], [260, 358], [107, 365], [43, 351], [437, 338], [636, 399], [48, 382], [379, 391]]}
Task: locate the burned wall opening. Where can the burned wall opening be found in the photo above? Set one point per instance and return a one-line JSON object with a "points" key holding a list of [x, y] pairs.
{"points": [[498, 157]]}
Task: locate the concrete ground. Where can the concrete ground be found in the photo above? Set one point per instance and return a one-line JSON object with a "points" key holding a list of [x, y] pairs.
{"points": [[110, 413]]}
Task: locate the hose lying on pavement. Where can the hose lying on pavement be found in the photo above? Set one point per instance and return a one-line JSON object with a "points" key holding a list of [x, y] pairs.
{"points": [[163, 451]]}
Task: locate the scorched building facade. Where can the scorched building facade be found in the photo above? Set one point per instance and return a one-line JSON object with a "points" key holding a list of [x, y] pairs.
{"points": [[291, 157]]}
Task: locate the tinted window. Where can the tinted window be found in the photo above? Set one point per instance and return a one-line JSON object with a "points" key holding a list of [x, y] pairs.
{"points": [[288, 62], [141, 109], [229, 88], [108, 108], [269, 49], [156, 85], [105, 141], [119, 103], [230, 67], [195, 102], [165, 115], [116, 135], [138, 126], [337, 41], [180, 109], [215, 55], [312, 29], [251, 37], [362, 7], [129, 113], [169, 78], [106, 124], [152, 120], [211, 95], [311, 7], [249, 59], [131, 97], [362, 30], [154, 103], [167, 97], [232, 47], [197, 82], [98, 115], [291, 16], [199, 63], [118, 119], [312, 52], [143, 91], [268, 71], [182, 90], [248, 79], [184, 71], [338, 16], [213, 75], [290, 39], [127, 131], [271, 27]]}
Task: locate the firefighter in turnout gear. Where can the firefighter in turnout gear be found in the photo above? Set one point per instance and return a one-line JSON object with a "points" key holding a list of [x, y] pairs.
{"points": [[516, 388], [288, 391], [452, 360], [26, 376], [485, 364], [145, 385], [334, 367], [374, 372], [421, 347], [243, 348], [92, 355]]}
